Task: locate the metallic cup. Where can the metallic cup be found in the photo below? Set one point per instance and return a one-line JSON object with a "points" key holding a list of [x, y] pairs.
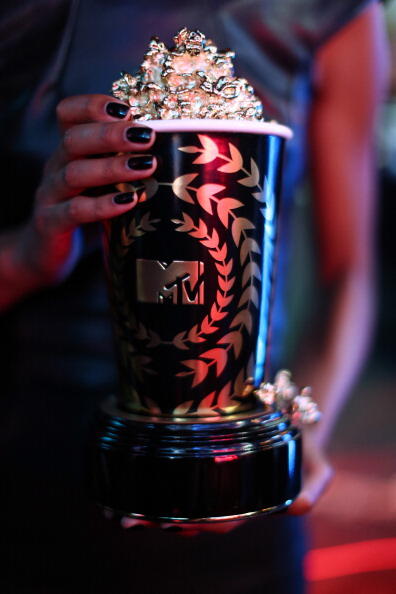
{"points": [[190, 275]]}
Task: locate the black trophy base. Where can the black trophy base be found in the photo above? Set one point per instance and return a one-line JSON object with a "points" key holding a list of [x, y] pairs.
{"points": [[195, 470]]}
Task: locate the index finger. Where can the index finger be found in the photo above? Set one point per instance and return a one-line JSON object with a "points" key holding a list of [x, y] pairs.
{"points": [[82, 109]]}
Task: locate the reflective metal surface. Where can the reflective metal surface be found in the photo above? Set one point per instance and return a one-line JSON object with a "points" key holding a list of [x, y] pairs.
{"points": [[190, 274]]}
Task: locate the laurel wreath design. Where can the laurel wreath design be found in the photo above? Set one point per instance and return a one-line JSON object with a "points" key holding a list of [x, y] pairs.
{"points": [[206, 197], [140, 363]]}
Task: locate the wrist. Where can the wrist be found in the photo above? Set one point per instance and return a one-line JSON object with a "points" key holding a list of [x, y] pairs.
{"points": [[50, 258]]}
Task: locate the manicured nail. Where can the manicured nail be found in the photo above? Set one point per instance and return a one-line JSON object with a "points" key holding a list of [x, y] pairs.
{"points": [[139, 134], [141, 162], [124, 198], [117, 110]]}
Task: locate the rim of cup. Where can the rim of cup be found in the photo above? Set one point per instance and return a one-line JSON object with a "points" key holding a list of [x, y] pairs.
{"points": [[215, 125]]}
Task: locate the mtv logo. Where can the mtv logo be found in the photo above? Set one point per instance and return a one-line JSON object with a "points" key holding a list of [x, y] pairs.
{"points": [[176, 282]]}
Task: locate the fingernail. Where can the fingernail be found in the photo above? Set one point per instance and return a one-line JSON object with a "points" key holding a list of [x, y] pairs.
{"points": [[139, 134], [140, 163], [124, 198], [117, 110]]}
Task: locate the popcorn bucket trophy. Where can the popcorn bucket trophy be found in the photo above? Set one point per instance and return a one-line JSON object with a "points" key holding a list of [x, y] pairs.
{"points": [[190, 274]]}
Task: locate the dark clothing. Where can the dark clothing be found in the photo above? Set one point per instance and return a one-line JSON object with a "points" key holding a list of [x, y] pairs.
{"points": [[57, 349]]}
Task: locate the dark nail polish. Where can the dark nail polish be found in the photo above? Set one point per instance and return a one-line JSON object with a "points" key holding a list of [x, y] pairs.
{"points": [[124, 198], [117, 110], [139, 134], [140, 163]]}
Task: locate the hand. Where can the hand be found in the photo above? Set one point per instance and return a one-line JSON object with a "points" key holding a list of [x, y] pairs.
{"points": [[317, 475], [87, 157]]}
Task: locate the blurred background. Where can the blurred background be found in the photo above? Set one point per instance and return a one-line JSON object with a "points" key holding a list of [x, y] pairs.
{"points": [[353, 529]]}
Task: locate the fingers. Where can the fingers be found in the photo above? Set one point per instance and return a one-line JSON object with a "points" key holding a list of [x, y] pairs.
{"points": [[81, 174], [81, 109], [58, 218], [315, 483], [99, 138]]}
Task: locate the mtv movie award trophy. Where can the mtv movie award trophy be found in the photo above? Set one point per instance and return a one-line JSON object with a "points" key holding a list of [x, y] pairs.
{"points": [[188, 437]]}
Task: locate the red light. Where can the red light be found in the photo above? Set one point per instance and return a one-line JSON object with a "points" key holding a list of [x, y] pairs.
{"points": [[226, 458], [349, 559]]}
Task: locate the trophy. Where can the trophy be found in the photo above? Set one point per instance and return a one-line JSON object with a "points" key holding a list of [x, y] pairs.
{"points": [[190, 269]]}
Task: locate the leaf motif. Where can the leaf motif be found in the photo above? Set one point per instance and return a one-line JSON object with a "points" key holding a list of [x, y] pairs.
{"points": [[249, 294], [234, 339], [223, 398], [239, 225], [260, 196], [155, 340], [255, 171], [125, 239], [193, 335], [224, 206], [250, 366], [236, 162], [249, 245], [179, 186], [186, 224], [244, 317], [209, 243], [224, 269], [215, 314], [220, 358], [251, 271], [226, 285], [126, 187], [239, 382], [253, 179], [215, 237], [219, 254], [210, 151], [245, 296], [206, 404], [178, 341], [206, 193], [222, 300], [202, 230], [145, 223], [200, 369], [150, 187], [206, 326], [152, 406], [254, 297], [190, 149], [183, 408]]}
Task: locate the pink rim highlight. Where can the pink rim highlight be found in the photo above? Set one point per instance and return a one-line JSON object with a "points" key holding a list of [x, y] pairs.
{"points": [[202, 125]]}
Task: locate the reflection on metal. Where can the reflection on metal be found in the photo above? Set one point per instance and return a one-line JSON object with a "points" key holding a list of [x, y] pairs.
{"points": [[270, 230], [174, 282]]}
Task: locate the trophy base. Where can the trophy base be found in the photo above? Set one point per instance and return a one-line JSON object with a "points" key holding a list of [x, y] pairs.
{"points": [[184, 469]]}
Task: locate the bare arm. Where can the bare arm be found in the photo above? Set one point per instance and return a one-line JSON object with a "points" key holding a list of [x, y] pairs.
{"points": [[351, 74]]}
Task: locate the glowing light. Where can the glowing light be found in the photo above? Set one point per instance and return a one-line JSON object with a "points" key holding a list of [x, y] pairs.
{"points": [[226, 458], [351, 559], [271, 215]]}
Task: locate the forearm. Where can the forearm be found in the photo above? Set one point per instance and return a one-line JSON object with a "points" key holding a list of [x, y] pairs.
{"points": [[351, 79], [30, 261], [17, 277], [334, 366]]}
